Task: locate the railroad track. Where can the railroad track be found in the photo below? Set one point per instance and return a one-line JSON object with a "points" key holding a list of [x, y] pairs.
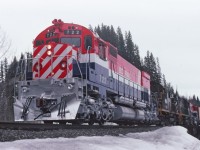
{"points": [[40, 126], [10, 131]]}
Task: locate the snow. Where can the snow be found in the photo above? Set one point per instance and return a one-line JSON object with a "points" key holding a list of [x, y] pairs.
{"points": [[166, 138]]}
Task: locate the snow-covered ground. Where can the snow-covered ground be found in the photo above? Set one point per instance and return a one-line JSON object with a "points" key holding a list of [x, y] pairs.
{"points": [[166, 138]]}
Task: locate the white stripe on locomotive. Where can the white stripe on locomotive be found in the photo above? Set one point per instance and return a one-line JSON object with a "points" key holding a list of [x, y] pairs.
{"points": [[56, 62]]}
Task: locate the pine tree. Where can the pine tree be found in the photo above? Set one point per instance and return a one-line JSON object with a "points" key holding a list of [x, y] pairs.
{"points": [[21, 64], [2, 72], [120, 43], [170, 89], [12, 69], [1, 91], [150, 66], [197, 98], [147, 63], [137, 57], [165, 82], [97, 30], [159, 74], [126, 48], [194, 98], [132, 51], [5, 69], [9, 89], [153, 69], [129, 48], [113, 36], [105, 31]]}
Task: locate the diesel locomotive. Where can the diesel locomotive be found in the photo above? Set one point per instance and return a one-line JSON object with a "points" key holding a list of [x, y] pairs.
{"points": [[74, 76]]}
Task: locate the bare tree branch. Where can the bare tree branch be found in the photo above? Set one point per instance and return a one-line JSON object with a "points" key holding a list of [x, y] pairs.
{"points": [[4, 44]]}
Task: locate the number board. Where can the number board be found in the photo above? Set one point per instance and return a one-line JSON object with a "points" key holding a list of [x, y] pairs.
{"points": [[50, 34], [72, 32]]}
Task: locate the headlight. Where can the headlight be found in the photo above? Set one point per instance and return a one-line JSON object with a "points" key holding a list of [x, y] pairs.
{"points": [[24, 89], [70, 86], [48, 46], [49, 52], [63, 65], [91, 101]]}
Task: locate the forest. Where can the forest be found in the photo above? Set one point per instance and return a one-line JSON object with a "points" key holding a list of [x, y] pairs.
{"points": [[123, 41]]}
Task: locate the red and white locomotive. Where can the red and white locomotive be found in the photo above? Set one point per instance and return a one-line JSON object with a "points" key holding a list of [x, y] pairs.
{"points": [[75, 76]]}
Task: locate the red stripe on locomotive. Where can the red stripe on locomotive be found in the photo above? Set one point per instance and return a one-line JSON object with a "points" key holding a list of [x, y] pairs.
{"points": [[50, 64]]}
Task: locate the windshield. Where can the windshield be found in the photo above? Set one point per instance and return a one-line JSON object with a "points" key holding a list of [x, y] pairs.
{"points": [[71, 40]]}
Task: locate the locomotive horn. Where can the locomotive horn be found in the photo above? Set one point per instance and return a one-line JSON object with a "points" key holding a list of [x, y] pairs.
{"points": [[54, 21]]}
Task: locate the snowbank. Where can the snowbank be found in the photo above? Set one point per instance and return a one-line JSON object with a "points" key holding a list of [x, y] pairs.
{"points": [[166, 138]]}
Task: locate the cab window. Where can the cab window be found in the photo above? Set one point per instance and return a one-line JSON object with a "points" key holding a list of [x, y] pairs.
{"points": [[102, 51], [113, 51], [88, 42], [74, 41], [39, 42], [56, 40]]}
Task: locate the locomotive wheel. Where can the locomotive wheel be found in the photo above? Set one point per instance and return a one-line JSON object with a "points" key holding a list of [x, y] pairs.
{"points": [[101, 122], [76, 122], [62, 122], [48, 122], [120, 124], [91, 122]]}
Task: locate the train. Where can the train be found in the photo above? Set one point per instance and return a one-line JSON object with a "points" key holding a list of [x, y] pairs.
{"points": [[74, 76]]}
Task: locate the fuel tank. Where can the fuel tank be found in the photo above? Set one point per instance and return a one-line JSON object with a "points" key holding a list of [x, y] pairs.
{"points": [[126, 113]]}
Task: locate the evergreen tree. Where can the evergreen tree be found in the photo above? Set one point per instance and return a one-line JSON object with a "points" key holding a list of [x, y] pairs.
{"points": [[158, 73], [1, 72], [107, 33], [6, 100], [12, 69], [132, 51], [197, 98], [105, 30], [170, 89], [176, 95], [120, 43], [126, 48], [164, 81], [129, 48], [97, 30], [113, 36], [5, 69], [21, 66], [2, 92], [194, 98], [150, 66], [137, 57], [153, 67], [147, 63]]}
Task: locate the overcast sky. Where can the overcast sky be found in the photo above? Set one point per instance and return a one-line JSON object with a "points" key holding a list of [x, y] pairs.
{"points": [[168, 28]]}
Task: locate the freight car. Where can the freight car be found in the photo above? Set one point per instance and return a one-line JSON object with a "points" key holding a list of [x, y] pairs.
{"points": [[173, 109]]}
